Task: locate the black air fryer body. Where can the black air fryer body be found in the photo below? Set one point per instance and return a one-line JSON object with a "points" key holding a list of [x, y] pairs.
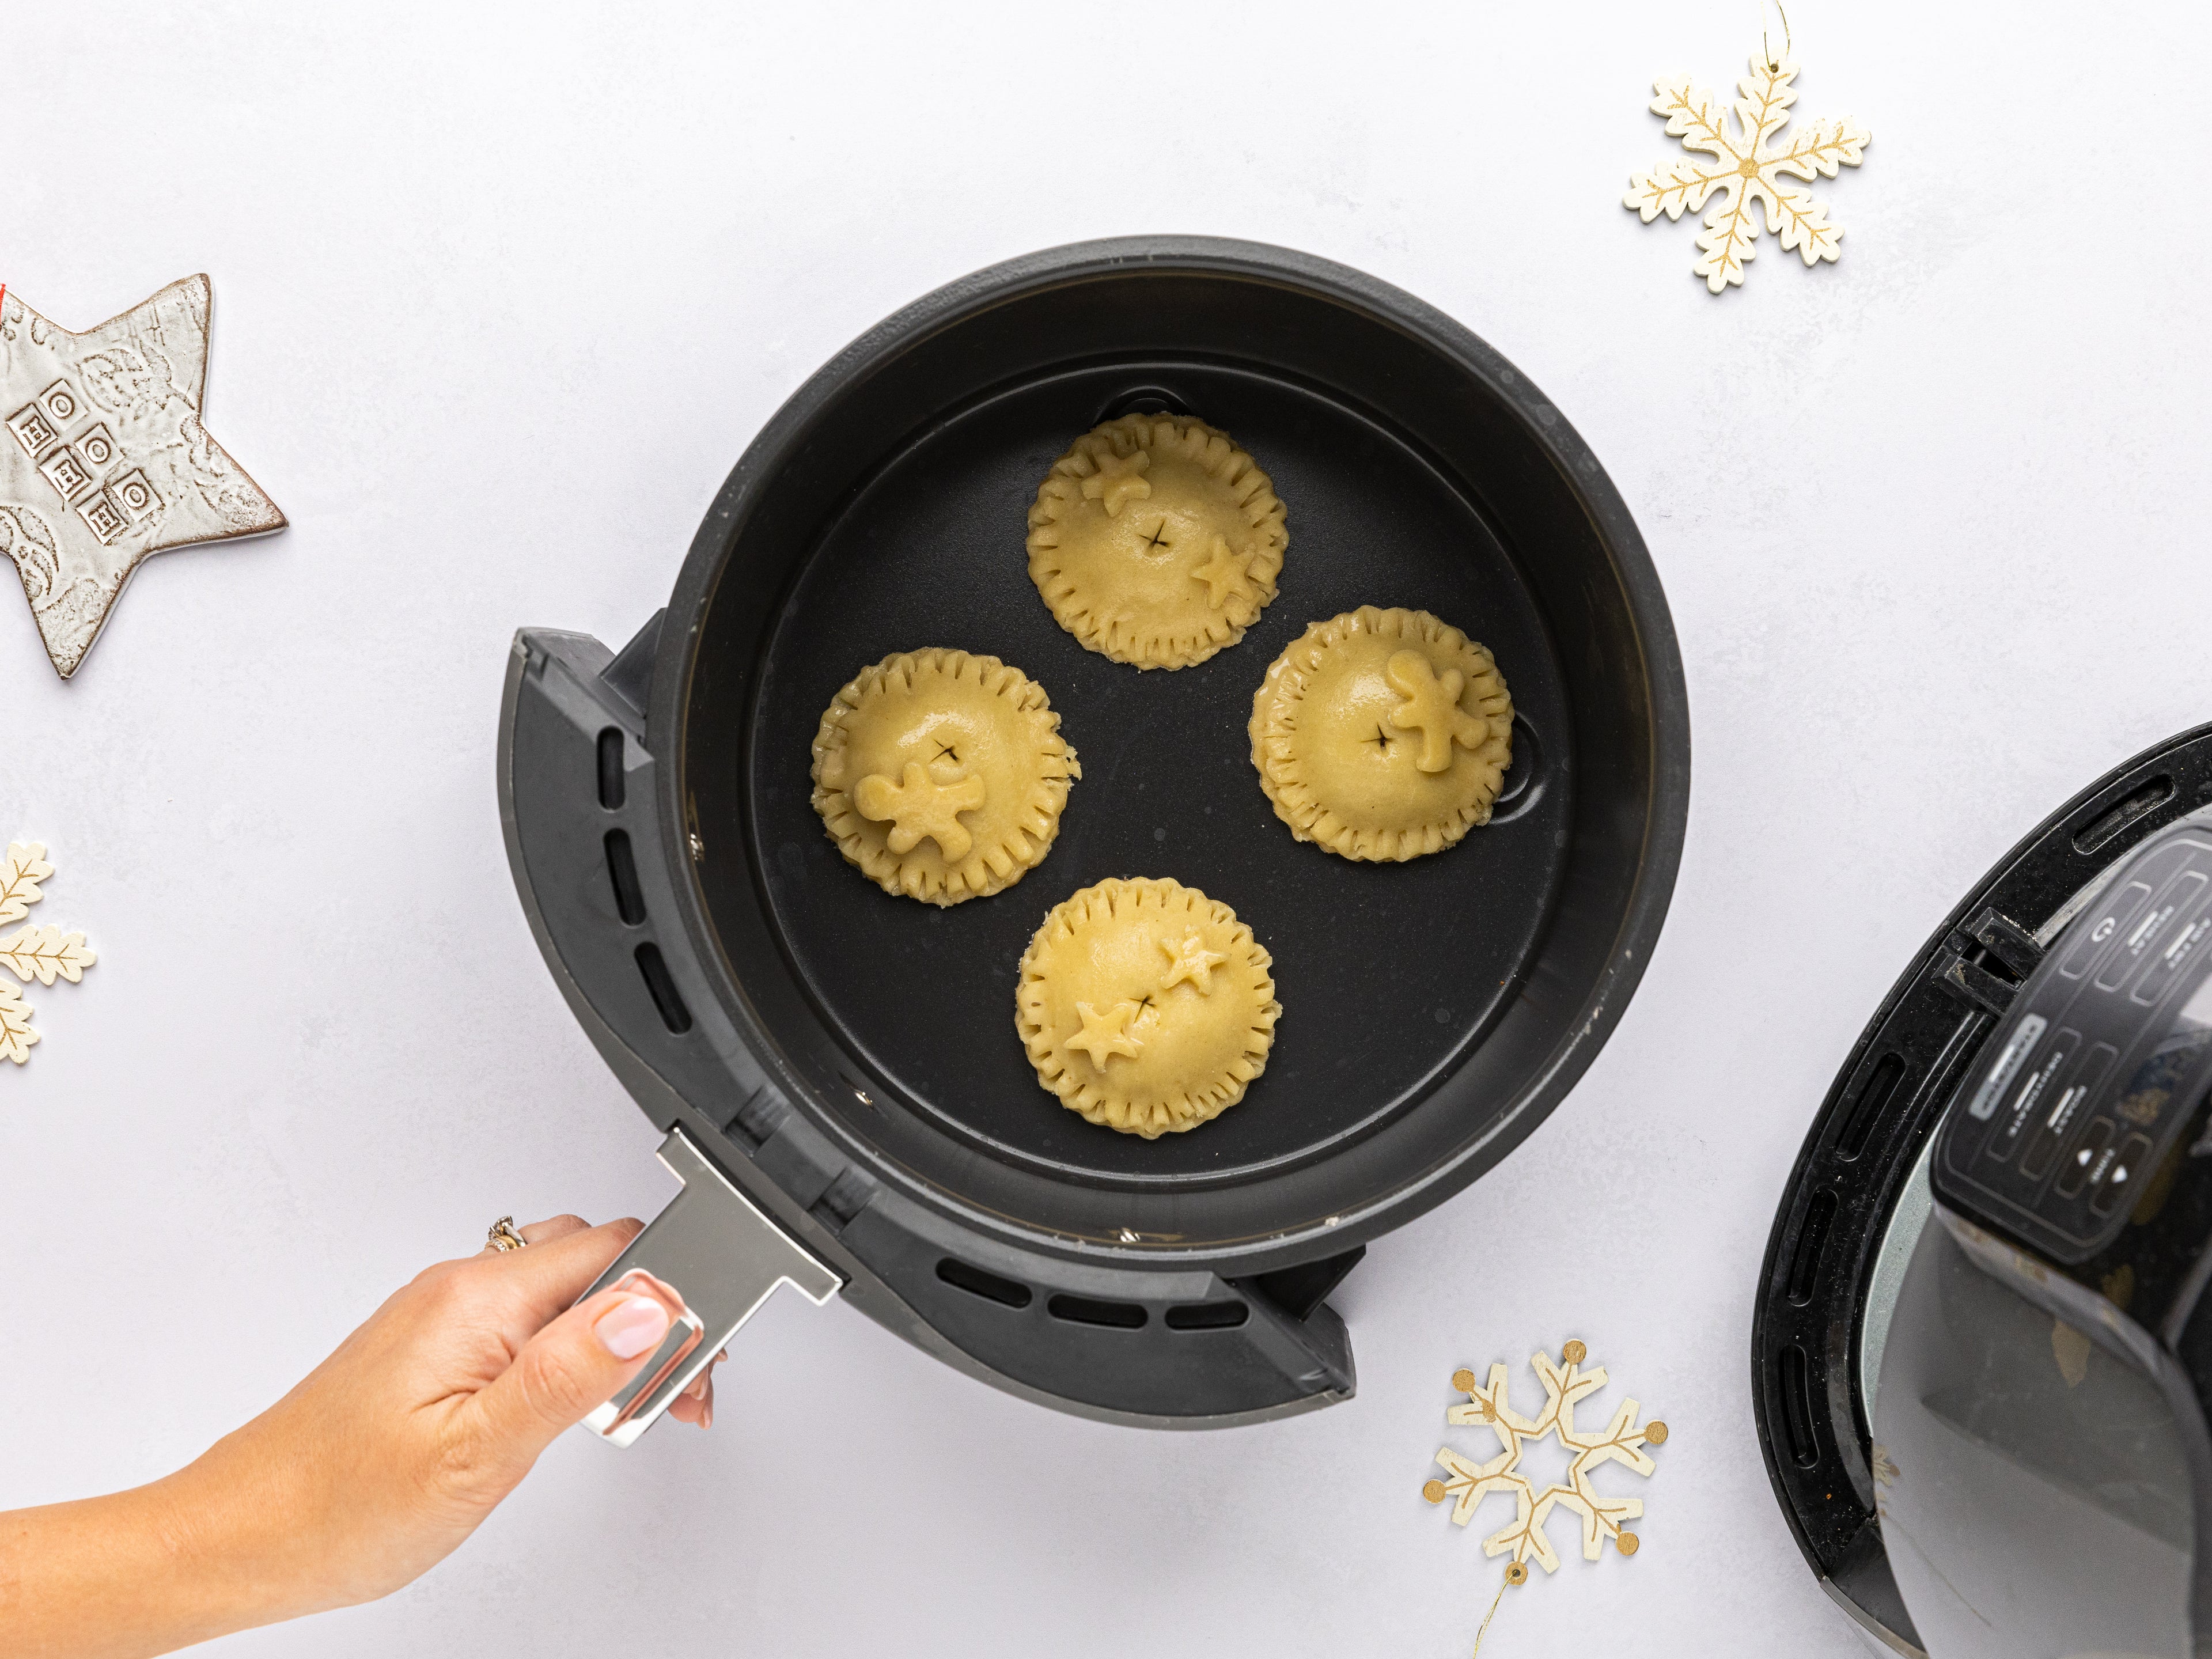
{"points": [[848, 1059], [1983, 1348]]}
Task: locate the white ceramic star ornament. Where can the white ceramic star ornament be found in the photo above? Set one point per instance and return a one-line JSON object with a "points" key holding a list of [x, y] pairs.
{"points": [[104, 459]]}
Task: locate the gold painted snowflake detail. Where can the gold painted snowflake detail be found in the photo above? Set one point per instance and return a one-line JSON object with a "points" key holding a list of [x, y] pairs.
{"points": [[1468, 1482], [1745, 171]]}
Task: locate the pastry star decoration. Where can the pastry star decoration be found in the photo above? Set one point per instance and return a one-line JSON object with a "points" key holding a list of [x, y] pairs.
{"points": [[1118, 481], [1565, 1385], [1104, 1035], [1432, 706], [1190, 960], [103, 460], [1745, 171], [919, 805], [1223, 574]]}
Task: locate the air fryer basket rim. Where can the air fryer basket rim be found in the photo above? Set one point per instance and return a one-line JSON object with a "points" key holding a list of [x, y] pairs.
{"points": [[1614, 530]]}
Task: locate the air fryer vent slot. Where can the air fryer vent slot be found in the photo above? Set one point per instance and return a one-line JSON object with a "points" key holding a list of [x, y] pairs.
{"points": [[660, 986], [1797, 1407], [1207, 1316], [1082, 1310], [1874, 1098], [1812, 1240], [2140, 804], [611, 769], [1006, 1292], [622, 876]]}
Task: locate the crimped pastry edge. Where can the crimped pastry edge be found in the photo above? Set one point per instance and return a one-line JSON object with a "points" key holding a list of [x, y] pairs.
{"points": [[1061, 491], [1284, 686], [986, 870], [1148, 1118]]}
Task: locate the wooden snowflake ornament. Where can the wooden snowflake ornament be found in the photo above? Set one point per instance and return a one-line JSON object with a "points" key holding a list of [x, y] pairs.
{"points": [[17, 1034], [43, 953], [20, 876], [1745, 168], [1469, 1482]]}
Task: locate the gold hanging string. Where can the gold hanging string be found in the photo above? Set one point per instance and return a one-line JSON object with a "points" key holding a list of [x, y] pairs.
{"points": [[1486, 1618], [1764, 51]]}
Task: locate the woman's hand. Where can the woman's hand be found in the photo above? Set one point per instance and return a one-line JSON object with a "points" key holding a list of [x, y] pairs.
{"points": [[396, 1447], [367, 1474]]}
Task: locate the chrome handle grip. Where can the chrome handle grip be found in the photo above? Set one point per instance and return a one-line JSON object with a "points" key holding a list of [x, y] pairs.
{"points": [[724, 1258]]}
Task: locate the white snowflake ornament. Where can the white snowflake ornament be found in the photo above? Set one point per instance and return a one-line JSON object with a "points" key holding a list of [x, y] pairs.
{"points": [[1745, 170], [17, 1034], [44, 953], [1565, 1385]]}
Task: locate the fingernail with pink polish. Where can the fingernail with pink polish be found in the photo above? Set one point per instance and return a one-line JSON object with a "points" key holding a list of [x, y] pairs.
{"points": [[632, 1328]]}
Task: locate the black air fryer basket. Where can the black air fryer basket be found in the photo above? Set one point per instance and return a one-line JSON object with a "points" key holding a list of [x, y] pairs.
{"points": [[838, 1067]]}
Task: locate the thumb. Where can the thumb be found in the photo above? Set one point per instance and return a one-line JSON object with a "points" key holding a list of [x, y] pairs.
{"points": [[568, 1369]]}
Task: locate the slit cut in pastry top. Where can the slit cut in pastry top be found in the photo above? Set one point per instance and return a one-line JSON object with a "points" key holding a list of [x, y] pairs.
{"points": [[1383, 735], [1155, 541], [942, 775], [1147, 1006]]}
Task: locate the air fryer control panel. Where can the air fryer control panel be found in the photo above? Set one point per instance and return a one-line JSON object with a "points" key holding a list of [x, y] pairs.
{"points": [[2073, 1118]]}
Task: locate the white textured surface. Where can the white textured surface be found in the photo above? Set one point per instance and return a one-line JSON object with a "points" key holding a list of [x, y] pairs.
{"points": [[499, 301]]}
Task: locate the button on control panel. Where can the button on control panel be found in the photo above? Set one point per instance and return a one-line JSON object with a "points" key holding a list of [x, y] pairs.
{"points": [[2077, 1099], [2089, 1156]]}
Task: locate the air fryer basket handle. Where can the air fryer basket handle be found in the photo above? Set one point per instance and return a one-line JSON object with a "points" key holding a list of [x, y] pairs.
{"points": [[726, 1259]]}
